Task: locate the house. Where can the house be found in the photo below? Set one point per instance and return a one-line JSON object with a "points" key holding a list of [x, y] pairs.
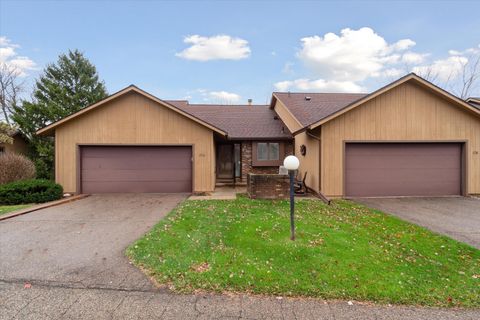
{"points": [[409, 138], [19, 144]]}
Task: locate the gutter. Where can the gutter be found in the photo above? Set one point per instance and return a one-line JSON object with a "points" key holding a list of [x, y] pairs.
{"points": [[311, 135]]}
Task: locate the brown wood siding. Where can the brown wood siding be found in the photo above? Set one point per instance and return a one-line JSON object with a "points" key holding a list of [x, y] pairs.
{"points": [[133, 119], [18, 146], [403, 169], [405, 113], [114, 169], [310, 162]]}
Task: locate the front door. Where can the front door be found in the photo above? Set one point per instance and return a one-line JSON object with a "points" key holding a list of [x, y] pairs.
{"points": [[225, 164]]}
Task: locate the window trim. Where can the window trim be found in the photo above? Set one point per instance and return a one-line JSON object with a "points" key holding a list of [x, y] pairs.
{"points": [[268, 163]]}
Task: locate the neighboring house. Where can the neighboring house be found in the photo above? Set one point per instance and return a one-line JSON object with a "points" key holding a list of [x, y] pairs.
{"points": [[19, 144], [407, 138], [474, 102]]}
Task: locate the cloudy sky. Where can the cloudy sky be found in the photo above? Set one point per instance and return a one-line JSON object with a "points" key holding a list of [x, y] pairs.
{"points": [[230, 51]]}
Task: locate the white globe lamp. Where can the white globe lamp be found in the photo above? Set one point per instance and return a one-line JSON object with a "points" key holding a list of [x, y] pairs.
{"points": [[291, 163]]}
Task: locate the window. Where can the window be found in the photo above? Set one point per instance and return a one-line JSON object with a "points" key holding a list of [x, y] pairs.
{"points": [[238, 160], [267, 153], [262, 151], [273, 151]]}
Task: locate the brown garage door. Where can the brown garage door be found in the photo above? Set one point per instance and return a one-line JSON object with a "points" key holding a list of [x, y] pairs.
{"points": [[136, 169], [403, 169]]}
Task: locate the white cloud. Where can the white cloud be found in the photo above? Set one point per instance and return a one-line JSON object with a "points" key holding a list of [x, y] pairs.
{"points": [[403, 44], [393, 73], [319, 85], [10, 57], [414, 58], [219, 47], [354, 55], [448, 68], [223, 97]]}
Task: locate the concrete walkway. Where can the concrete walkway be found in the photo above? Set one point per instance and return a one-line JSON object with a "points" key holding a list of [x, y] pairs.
{"points": [[59, 302], [221, 193]]}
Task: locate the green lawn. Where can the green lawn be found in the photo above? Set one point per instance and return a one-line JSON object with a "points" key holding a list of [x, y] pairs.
{"points": [[8, 209], [343, 251]]}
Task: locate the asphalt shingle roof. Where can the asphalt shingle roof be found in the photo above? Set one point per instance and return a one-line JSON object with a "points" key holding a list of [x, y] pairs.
{"points": [[239, 121], [318, 106]]}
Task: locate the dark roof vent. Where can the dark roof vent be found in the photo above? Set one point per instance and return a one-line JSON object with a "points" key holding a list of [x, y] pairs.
{"points": [[307, 98], [275, 117]]}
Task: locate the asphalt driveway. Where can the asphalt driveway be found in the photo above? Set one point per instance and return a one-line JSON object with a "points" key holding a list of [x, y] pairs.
{"points": [[67, 262], [456, 217], [82, 243]]}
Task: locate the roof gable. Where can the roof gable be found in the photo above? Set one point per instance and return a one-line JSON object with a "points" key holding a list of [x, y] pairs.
{"points": [[410, 77], [50, 128], [308, 108]]}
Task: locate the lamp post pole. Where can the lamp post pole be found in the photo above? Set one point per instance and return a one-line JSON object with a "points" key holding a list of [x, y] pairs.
{"points": [[292, 205], [291, 163]]}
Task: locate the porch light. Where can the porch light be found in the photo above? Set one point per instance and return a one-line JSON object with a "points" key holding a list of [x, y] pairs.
{"points": [[291, 163]]}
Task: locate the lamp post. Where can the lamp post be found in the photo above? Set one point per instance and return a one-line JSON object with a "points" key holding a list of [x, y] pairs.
{"points": [[291, 163]]}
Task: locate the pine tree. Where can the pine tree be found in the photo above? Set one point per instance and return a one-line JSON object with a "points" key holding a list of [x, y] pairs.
{"points": [[65, 87]]}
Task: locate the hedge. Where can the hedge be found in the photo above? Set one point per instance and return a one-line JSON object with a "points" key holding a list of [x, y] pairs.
{"points": [[30, 191]]}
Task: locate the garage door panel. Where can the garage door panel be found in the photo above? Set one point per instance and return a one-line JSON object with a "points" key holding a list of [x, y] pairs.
{"points": [[403, 169], [139, 175], [106, 169], [128, 164], [139, 186], [120, 161], [403, 161], [393, 189], [379, 175]]}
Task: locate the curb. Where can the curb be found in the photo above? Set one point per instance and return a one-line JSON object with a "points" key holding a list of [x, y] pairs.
{"points": [[42, 206]]}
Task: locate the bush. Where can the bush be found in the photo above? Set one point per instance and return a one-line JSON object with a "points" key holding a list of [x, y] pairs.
{"points": [[44, 169], [30, 191], [14, 167]]}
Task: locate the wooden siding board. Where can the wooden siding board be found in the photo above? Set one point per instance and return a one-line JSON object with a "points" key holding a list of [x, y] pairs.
{"points": [[405, 113], [310, 162], [130, 120]]}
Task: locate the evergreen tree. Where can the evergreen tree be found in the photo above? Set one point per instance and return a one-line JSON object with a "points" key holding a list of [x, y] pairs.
{"points": [[65, 87]]}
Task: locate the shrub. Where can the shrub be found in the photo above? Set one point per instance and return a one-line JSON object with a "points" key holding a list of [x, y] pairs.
{"points": [[14, 167], [30, 191], [44, 170]]}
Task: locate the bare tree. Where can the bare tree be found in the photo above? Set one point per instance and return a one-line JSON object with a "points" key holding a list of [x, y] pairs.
{"points": [[10, 88], [464, 81], [470, 76]]}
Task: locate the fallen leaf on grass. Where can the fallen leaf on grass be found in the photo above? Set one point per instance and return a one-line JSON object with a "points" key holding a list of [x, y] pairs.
{"points": [[202, 267]]}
